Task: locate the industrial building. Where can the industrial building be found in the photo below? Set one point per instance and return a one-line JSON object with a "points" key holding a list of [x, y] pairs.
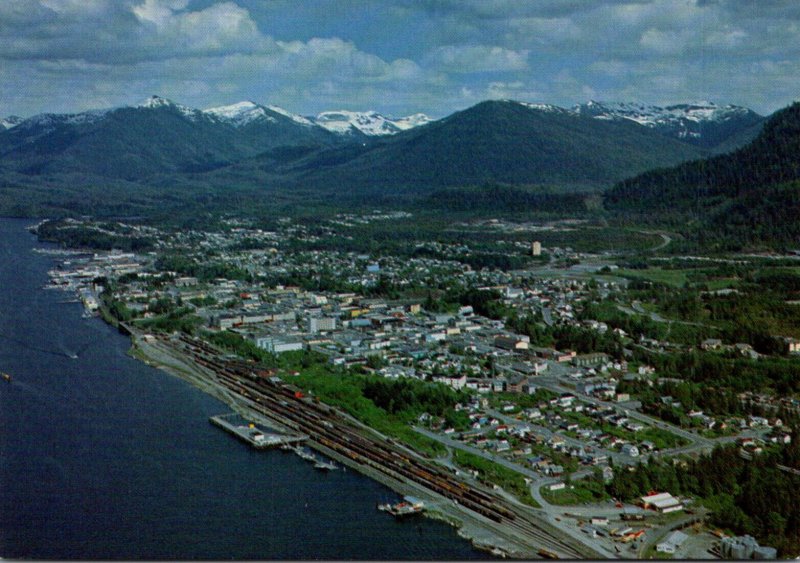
{"points": [[745, 547], [672, 543], [663, 502]]}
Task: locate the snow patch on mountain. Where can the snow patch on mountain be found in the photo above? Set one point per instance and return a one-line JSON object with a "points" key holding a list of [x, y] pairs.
{"points": [[654, 116], [411, 121], [9, 122], [548, 108], [369, 123], [293, 116], [240, 114], [157, 102], [48, 121]]}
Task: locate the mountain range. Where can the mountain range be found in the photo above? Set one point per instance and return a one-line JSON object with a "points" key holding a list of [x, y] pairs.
{"points": [[160, 147]]}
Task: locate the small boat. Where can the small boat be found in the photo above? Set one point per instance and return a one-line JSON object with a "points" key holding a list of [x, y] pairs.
{"points": [[406, 508], [304, 454], [324, 465], [5, 376]]}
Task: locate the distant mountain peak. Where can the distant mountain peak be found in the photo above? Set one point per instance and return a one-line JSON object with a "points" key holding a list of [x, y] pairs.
{"points": [[548, 108], [369, 122], [240, 113], [157, 102]]}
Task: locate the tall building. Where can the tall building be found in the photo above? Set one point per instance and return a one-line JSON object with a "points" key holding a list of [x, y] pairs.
{"points": [[536, 248]]}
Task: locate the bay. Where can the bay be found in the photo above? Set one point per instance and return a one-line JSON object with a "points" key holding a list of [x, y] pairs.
{"points": [[103, 457]]}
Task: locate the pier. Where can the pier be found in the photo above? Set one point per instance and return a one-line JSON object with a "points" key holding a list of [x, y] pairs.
{"points": [[253, 435]]}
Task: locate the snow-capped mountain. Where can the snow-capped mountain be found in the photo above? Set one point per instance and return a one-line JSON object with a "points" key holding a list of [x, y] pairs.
{"points": [[700, 123], [369, 123], [9, 122], [677, 116], [293, 116], [341, 122], [547, 108], [240, 114], [245, 113], [157, 102]]}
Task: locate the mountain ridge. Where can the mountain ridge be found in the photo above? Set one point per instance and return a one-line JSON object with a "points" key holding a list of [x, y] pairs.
{"points": [[750, 195], [165, 148]]}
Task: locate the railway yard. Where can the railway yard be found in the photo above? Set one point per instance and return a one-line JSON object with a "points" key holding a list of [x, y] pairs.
{"points": [[514, 529]]}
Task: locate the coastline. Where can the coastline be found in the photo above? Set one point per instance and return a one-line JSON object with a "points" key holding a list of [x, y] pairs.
{"points": [[493, 538]]}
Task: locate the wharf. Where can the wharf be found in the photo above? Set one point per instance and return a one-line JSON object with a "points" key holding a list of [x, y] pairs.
{"points": [[253, 435]]}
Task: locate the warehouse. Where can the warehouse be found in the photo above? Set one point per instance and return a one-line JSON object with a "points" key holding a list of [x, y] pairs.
{"points": [[672, 543], [663, 502]]}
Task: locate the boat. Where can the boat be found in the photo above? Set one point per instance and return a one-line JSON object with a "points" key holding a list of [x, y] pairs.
{"points": [[325, 465], [304, 454], [5, 376], [407, 507]]}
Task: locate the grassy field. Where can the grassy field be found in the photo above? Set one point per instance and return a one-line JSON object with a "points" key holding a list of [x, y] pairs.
{"points": [[675, 278], [583, 491], [501, 476]]}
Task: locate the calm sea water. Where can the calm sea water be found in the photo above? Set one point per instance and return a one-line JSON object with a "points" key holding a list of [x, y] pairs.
{"points": [[102, 457]]}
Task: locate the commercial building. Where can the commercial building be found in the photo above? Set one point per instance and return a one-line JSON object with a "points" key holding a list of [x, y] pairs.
{"points": [[276, 345], [321, 324], [512, 342]]}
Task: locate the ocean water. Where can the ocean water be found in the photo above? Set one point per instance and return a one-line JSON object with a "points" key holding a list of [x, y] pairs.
{"points": [[103, 457]]}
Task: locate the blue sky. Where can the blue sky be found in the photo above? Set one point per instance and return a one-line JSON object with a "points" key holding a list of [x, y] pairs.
{"points": [[397, 57]]}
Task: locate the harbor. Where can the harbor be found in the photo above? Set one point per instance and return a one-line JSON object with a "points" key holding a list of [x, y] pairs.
{"points": [[253, 435]]}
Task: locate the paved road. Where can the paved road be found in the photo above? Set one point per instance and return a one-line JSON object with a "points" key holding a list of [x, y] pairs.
{"points": [[636, 308]]}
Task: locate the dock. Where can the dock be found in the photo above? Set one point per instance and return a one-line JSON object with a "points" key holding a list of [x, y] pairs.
{"points": [[253, 435], [409, 506], [319, 463]]}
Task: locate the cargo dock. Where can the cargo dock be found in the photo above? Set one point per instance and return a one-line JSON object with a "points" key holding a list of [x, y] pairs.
{"points": [[253, 435]]}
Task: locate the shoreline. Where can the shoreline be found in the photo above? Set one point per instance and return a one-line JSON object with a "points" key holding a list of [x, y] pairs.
{"points": [[484, 535]]}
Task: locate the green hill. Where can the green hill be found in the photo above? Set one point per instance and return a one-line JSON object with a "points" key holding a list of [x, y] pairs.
{"points": [[495, 141], [749, 196]]}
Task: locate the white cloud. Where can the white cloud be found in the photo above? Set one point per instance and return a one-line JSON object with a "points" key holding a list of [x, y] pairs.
{"points": [[477, 58], [418, 55]]}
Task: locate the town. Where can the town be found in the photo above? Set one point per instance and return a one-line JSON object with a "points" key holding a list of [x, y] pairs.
{"points": [[557, 372]]}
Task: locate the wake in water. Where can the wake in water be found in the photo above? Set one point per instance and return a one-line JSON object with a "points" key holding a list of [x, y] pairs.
{"points": [[60, 353]]}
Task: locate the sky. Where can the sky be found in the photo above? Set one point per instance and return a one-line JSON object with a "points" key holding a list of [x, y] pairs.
{"points": [[397, 57]]}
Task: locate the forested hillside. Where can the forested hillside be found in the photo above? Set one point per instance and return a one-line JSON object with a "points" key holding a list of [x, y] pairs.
{"points": [[749, 196]]}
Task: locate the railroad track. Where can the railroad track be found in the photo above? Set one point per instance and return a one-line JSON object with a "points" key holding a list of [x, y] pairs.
{"points": [[279, 401]]}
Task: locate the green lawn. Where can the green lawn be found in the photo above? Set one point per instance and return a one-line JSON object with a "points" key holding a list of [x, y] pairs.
{"points": [[583, 491]]}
